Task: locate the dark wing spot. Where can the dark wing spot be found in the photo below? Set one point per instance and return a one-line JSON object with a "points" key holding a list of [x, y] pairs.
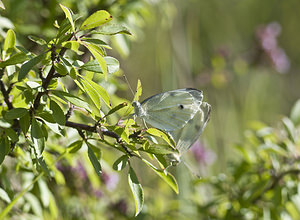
{"points": [[180, 106], [197, 127]]}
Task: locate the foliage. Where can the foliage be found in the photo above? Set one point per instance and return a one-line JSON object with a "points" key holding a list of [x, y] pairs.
{"points": [[263, 181], [47, 95]]}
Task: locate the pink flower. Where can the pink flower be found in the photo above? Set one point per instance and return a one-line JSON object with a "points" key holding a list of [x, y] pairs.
{"points": [[201, 154]]}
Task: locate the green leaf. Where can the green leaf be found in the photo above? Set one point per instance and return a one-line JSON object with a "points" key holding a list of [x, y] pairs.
{"points": [[9, 42], [158, 133], [68, 14], [75, 146], [43, 164], [15, 113], [25, 123], [37, 40], [2, 5], [27, 66], [118, 107], [137, 191], [36, 130], [95, 50], [102, 92], [112, 29], [295, 113], [72, 99], [12, 134], [112, 64], [4, 196], [4, 148], [290, 128], [14, 59], [73, 45], [39, 146], [34, 203], [92, 92], [93, 66], [167, 177], [57, 112], [44, 192], [94, 160], [120, 163], [97, 42], [159, 149], [61, 69], [138, 92], [98, 18]]}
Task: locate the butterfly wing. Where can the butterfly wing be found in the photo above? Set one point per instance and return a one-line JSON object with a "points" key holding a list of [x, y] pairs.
{"points": [[187, 135], [171, 110]]}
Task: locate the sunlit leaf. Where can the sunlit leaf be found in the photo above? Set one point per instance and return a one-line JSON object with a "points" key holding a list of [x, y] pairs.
{"points": [[138, 91], [158, 133], [37, 40], [9, 42], [98, 18], [118, 107], [68, 14], [112, 29], [4, 196], [14, 59], [137, 191], [120, 163], [98, 56], [75, 146], [72, 99], [167, 177]]}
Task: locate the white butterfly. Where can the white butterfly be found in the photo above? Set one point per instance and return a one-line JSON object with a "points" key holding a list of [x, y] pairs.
{"points": [[181, 113]]}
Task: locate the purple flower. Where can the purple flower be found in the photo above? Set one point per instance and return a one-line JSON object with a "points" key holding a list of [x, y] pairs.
{"points": [[201, 154], [110, 180], [267, 36]]}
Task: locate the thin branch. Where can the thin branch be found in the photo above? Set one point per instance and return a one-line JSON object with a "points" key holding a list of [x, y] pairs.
{"points": [[93, 129], [5, 92]]}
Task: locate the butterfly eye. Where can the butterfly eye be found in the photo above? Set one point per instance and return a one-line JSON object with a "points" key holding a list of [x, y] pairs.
{"points": [[180, 106]]}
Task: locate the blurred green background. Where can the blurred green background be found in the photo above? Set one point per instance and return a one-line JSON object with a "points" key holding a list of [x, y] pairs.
{"points": [[244, 55]]}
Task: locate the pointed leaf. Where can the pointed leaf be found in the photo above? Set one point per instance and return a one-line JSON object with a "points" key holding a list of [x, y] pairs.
{"points": [[9, 42], [26, 67], [36, 130], [68, 14], [75, 146], [72, 99], [15, 113], [25, 123], [37, 40], [57, 112], [4, 148], [120, 163], [92, 93], [95, 51], [138, 91], [94, 160], [159, 149], [118, 107], [158, 133], [167, 177], [4, 196], [113, 29], [137, 191], [102, 92], [14, 59], [98, 18]]}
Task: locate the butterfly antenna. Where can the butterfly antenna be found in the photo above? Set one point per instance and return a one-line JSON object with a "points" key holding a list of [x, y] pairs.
{"points": [[191, 170], [128, 84]]}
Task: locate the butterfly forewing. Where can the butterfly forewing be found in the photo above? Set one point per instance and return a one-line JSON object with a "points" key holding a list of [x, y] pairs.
{"points": [[172, 110]]}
